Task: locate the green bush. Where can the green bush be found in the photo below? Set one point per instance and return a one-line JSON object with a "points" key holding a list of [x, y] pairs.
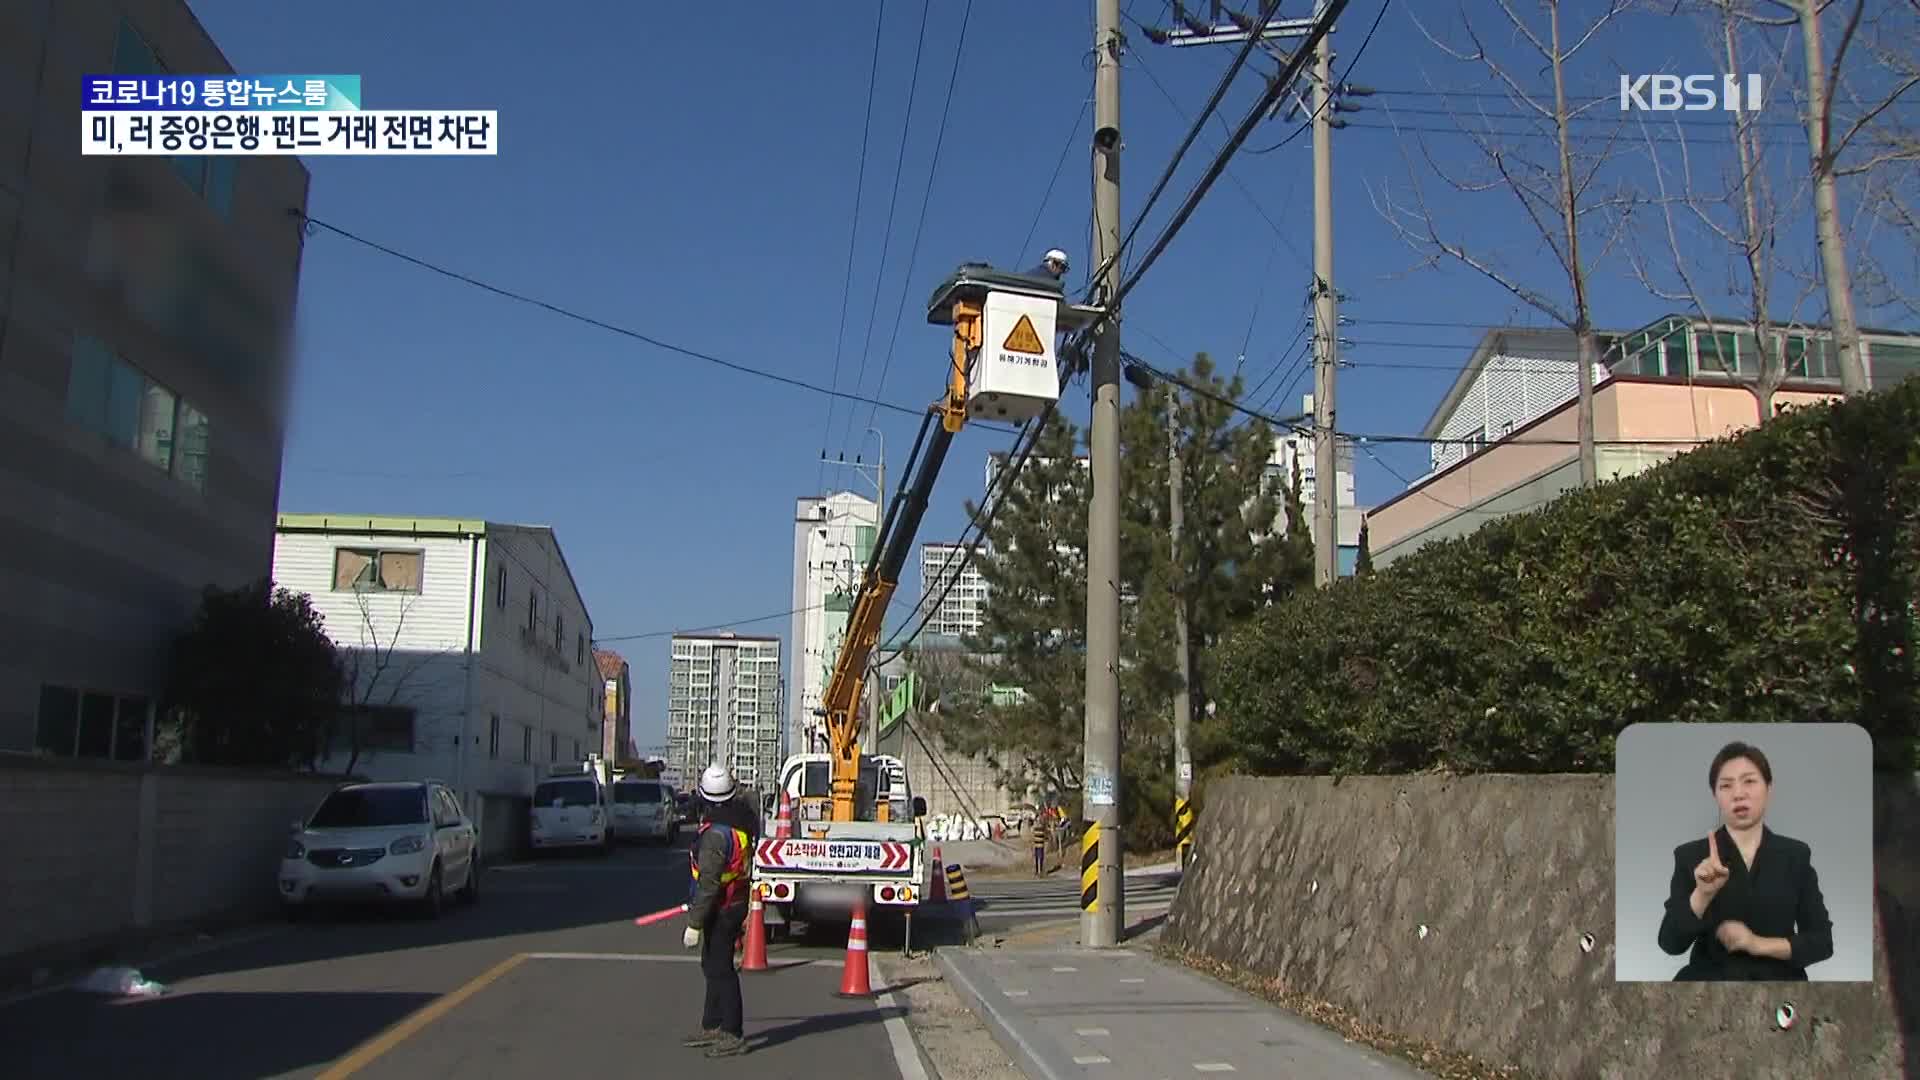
{"points": [[1767, 577]]}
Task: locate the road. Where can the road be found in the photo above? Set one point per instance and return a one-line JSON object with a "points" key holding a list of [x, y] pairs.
{"points": [[545, 976]]}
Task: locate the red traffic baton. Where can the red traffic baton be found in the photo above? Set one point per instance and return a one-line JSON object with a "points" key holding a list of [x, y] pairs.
{"points": [[661, 916]]}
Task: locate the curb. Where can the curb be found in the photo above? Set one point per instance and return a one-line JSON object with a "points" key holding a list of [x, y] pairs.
{"points": [[1017, 1047]]}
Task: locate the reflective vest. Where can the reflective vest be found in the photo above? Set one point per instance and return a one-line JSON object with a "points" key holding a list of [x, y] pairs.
{"points": [[733, 879]]}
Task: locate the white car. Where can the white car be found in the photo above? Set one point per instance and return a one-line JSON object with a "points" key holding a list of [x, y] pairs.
{"points": [[408, 842], [644, 810], [570, 812]]}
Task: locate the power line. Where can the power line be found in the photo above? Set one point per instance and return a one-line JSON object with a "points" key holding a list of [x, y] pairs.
{"points": [[1278, 86], [853, 236], [926, 199], [893, 205], [1333, 91], [710, 626], [1040, 211], [602, 324], [1269, 8]]}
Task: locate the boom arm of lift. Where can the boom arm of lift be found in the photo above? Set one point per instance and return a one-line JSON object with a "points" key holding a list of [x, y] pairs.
{"points": [[841, 701]]}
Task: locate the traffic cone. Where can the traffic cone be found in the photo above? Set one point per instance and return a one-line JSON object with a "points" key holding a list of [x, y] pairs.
{"points": [[937, 870], [783, 825], [854, 981], [756, 936]]}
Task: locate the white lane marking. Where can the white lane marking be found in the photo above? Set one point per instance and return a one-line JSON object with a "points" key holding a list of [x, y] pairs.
{"points": [[1091, 1031], [664, 958], [1133, 980], [1092, 1059], [1066, 969], [1016, 993], [906, 1052], [1212, 1066]]}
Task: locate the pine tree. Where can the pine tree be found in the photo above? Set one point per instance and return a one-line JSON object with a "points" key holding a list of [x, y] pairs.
{"points": [[1363, 564]]}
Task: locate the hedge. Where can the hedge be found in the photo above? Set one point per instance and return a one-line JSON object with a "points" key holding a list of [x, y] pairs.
{"points": [[1765, 577]]}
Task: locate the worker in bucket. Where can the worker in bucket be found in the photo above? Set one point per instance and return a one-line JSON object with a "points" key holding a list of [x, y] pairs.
{"points": [[1052, 265], [717, 913]]}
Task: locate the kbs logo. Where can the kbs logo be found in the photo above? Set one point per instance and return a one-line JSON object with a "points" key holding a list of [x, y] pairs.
{"points": [[1695, 93]]}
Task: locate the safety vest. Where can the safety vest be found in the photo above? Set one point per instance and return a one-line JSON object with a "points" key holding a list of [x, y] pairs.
{"points": [[733, 879]]}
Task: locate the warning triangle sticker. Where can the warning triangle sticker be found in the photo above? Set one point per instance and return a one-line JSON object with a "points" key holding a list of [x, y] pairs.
{"points": [[1025, 339]]}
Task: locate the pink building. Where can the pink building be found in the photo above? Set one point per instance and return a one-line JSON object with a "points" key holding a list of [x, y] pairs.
{"points": [[1506, 430]]}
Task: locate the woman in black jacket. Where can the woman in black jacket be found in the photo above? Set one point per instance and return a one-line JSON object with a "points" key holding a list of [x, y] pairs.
{"points": [[1745, 901]]}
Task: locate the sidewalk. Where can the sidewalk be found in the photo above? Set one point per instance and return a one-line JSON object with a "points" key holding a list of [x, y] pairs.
{"points": [[1122, 1013]]}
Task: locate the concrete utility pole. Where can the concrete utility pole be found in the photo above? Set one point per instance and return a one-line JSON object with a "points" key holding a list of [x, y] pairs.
{"points": [[1326, 338], [1183, 699], [1102, 911], [1326, 485]]}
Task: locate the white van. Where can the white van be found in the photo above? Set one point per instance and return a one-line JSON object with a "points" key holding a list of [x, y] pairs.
{"points": [[570, 811], [644, 810]]}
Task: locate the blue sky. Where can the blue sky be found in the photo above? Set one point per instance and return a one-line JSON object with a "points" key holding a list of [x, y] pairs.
{"points": [[690, 173]]}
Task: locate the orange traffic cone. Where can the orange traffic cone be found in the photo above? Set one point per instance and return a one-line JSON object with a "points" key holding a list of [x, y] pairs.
{"points": [[756, 936], [783, 825], [854, 982], [937, 870]]}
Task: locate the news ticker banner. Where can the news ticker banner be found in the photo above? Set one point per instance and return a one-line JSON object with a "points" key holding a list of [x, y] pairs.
{"points": [[165, 115]]}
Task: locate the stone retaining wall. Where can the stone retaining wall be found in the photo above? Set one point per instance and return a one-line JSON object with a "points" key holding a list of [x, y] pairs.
{"points": [[1324, 885]]}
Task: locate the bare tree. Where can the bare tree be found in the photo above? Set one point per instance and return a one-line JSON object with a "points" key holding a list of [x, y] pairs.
{"points": [[1744, 217], [1893, 194], [1557, 194], [376, 671], [1825, 167]]}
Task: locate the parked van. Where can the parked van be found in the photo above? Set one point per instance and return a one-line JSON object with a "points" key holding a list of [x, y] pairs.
{"points": [[644, 810], [570, 810]]}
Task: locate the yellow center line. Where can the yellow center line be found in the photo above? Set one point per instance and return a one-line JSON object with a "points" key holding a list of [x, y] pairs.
{"points": [[366, 1053]]}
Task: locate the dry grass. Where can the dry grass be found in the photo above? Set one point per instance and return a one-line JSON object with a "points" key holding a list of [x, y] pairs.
{"points": [[1443, 1063]]}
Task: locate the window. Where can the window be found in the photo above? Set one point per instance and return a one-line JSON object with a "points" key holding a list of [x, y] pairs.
{"points": [[1803, 357], [372, 807], [500, 587], [118, 402], [577, 755], [211, 178], [533, 610], [559, 631], [567, 793], [526, 744], [493, 737], [376, 570], [88, 724], [376, 727], [580, 649], [1718, 353], [1888, 363], [553, 746]]}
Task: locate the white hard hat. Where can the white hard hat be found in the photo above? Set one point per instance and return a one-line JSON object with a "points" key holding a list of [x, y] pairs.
{"points": [[716, 784], [1056, 255]]}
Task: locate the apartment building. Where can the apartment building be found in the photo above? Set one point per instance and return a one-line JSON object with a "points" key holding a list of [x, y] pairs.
{"points": [[144, 366], [833, 539], [467, 646], [957, 593], [723, 704]]}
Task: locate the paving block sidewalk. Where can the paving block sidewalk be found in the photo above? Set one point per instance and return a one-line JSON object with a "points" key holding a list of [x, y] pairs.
{"points": [[1067, 1013]]}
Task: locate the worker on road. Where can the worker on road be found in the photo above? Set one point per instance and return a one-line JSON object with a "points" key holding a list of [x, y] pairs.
{"points": [[1038, 834], [717, 914]]}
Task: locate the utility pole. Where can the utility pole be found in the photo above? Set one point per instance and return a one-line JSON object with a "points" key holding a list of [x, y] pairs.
{"points": [[1192, 31], [1326, 482], [1183, 699], [1102, 905]]}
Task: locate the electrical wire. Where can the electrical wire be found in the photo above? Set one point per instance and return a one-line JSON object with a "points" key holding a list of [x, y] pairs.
{"points": [[853, 236], [652, 634], [568, 313], [1327, 99], [926, 199], [1278, 86], [1269, 8], [1045, 198]]}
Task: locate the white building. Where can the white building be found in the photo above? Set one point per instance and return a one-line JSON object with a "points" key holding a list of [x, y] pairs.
{"points": [[963, 607], [468, 651], [833, 538], [1515, 376], [723, 704]]}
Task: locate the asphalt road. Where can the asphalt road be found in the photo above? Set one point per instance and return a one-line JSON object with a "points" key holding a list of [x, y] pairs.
{"points": [[545, 977]]}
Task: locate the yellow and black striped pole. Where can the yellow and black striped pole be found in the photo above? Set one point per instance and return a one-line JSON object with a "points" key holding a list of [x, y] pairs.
{"points": [[1183, 827], [1090, 867]]}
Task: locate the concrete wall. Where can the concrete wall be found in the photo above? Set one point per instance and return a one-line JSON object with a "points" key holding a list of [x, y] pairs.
{"points": [[1507, 873], [98, 850]]}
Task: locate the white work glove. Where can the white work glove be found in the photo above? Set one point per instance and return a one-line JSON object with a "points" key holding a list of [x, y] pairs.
{"points": [[691, 939]]}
